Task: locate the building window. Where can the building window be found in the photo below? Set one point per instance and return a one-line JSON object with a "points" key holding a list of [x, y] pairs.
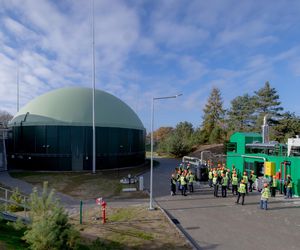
{"points": [[231, 147]]}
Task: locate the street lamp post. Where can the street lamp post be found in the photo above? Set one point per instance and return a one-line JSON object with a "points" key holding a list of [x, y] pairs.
{"points": [[151, 161]]}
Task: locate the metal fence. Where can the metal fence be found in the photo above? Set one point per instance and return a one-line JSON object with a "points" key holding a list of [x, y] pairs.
{"points": [[5, 201]]}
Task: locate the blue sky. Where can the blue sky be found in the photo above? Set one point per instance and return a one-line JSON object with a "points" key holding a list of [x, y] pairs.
{"points": [[152, 48]]}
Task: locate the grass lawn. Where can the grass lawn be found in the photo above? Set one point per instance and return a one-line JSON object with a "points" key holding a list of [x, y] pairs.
{"points": [[10, 238], [85, 185]]}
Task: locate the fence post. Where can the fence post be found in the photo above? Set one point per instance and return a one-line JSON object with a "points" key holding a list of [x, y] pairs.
{"points": [[25, 206], [6, 197], [80, 214]]}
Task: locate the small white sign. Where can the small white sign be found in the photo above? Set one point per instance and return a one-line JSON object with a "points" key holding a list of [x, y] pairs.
{"points": [[99, 201]]}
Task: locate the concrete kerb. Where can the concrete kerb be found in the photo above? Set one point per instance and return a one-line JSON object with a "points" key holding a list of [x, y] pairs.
{"points": [[189, 240]]}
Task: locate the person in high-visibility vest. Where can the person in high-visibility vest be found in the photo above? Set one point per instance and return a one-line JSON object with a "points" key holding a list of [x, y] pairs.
{"points": [[183, 183], [191, 179], [210, 177], [252, 180], [273, 186], [173, 184], [242, 192], [289, 186], [178, 179], [216, 185], [234, 184], [265, 195], [224, 183], [245, 178]]}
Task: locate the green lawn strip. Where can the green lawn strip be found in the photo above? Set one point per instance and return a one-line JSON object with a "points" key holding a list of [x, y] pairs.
{"points": [[122, 214], [11, 237]]}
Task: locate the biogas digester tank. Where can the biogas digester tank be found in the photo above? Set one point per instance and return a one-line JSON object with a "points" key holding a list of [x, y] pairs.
{"points": [[54, 132]]}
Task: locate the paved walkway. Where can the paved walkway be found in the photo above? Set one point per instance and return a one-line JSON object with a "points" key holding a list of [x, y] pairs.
{"points": [[219, 223], [27, 188]]}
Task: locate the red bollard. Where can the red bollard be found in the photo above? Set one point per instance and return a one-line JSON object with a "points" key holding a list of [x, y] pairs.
{"points": [[103, 205]]}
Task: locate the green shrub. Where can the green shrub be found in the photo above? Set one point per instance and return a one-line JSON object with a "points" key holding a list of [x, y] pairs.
{"points": [[49, 228], [17, 200]]}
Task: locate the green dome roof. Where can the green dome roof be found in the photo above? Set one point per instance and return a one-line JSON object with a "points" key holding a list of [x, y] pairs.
{"points": [[73, 106]]}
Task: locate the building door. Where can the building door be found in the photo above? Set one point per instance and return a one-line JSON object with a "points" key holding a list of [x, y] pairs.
{"points": [[259, 168], [77, 148]]}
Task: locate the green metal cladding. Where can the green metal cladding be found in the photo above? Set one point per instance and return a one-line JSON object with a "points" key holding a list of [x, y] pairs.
{"points": [[245, 159]]}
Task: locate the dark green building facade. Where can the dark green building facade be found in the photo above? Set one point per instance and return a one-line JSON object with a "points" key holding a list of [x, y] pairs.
{"points": [[54, 132]]}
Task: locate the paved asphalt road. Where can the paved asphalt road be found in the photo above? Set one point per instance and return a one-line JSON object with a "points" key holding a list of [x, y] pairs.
{"points": [[219, 223]]}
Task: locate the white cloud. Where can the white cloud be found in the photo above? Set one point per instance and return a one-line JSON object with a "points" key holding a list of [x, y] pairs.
{"points": [[146, 49], [19, 31], [178, 35]]}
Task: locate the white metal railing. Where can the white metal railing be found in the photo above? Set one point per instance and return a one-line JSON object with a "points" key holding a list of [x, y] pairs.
{"points": [[5, 195], [192, 160]]}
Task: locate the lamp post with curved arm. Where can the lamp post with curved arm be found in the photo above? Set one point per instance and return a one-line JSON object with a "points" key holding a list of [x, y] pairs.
{"points": [[151, 161]]}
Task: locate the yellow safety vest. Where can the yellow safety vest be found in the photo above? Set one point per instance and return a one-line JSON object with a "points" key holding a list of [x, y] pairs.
{"points": [[215, 180], [210, 176], [234, 180], [274, 184], [242, 188], [225, 181], [265, 194], [182, 180], [290, 184], [245, 178], [191, 178]]}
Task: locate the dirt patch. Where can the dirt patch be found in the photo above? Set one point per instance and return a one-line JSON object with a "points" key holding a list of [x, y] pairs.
{"points": [[133, 227]]}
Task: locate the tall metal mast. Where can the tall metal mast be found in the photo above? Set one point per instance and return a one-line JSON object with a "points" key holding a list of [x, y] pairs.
{"points": [[94, 86]]}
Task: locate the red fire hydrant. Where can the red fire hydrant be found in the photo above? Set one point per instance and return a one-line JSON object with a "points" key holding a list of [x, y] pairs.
{"points": [[103, 205]]}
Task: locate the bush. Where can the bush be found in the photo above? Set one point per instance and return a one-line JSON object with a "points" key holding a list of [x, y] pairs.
{"points": [[17, 200], [49, 228]]}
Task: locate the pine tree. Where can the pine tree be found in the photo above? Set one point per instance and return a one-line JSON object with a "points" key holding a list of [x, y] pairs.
{"points": [[288, 126], [267, 103], [241, 114], [49, 228], [213, 118]]}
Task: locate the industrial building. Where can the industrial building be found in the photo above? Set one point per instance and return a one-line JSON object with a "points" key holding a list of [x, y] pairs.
{"points": [[253, 151], [54, 132]]}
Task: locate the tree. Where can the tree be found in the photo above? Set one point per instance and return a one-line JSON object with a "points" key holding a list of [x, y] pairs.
{"points": [[267, 102], [5, 117], [213, 118], [241, 113], [179, 141], [162, 133], [288, 126], [49, 228]]}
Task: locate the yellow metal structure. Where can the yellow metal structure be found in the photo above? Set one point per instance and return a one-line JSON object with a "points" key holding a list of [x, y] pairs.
{"points": [[270, 168]]}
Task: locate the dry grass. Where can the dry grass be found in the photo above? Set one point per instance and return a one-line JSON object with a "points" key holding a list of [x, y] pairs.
{"points": [[128, 227], [133, 227], [84, 185]]}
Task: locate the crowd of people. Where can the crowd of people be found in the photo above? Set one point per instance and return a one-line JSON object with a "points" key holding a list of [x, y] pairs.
{"points": [[222, 179]]}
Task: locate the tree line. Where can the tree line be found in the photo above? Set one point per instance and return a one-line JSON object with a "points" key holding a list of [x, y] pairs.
{"points": [[245, 114]]}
